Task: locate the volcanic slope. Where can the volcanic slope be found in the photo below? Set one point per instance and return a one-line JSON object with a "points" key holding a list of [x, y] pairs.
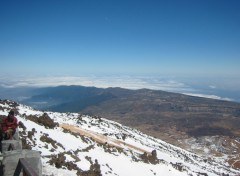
{"points": [[75, 144]]}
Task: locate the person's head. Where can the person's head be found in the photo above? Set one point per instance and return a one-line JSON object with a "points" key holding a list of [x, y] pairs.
{"points": [[11, 114]]}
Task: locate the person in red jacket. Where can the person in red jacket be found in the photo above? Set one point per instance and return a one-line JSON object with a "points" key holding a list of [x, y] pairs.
{"points": [[9, 125]]}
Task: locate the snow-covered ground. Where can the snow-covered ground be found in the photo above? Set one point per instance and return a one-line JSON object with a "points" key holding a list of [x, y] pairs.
{"points": [[118, 149]]}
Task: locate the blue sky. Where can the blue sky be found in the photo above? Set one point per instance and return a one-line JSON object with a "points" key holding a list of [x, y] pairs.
{"points": [[187, 46], [189, 38]]}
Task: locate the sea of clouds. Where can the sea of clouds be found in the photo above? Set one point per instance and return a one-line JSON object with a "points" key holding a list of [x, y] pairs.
{"points": [[170, 84]]}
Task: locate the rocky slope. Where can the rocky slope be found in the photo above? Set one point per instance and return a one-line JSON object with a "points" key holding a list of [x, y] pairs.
{"points": [[76, 144]]}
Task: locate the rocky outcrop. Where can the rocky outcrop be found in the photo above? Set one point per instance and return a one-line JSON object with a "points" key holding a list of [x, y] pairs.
{"points": [[152, 158], [44, 120]]}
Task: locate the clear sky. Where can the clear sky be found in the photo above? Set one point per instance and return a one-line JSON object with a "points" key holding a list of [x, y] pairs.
{"points": [[197, 38]]}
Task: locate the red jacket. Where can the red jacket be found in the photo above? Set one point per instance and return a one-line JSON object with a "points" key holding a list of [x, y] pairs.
{"points": [[8, 123]]}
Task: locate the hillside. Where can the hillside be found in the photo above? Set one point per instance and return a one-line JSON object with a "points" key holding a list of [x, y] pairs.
{"points": [[179, 120], [159, 110], [155, 110], [76, 144], [175, 118]]}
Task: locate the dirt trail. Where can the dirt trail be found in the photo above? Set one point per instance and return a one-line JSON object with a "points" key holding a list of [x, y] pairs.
{"points": [[102, 139]]}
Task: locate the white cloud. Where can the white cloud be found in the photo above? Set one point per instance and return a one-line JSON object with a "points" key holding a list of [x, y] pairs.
{"points": [[100, 81], [212, 87], [207, 96]]}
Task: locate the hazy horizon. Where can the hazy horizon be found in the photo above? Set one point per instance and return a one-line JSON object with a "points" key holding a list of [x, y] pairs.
{"points": [[207, 88]]}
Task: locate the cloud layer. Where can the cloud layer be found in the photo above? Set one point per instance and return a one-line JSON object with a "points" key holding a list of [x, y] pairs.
{"points": [[129, 82]]}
